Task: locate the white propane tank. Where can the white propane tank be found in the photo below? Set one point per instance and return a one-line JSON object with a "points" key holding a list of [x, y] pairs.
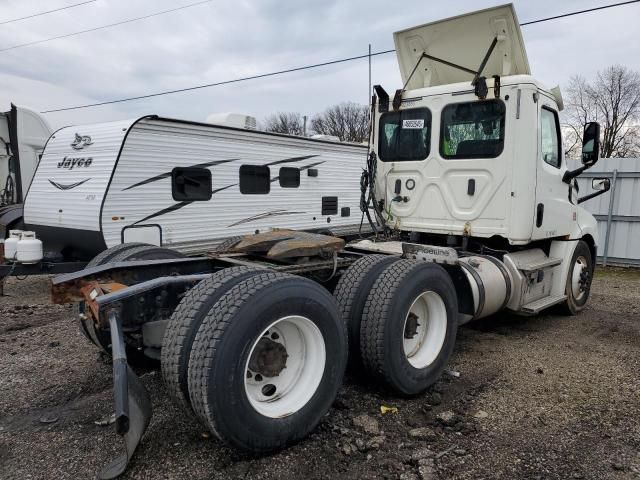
{"points": [[29, 248], [11, 244]]}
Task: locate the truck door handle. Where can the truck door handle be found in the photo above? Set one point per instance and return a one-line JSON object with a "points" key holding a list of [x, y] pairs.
{"points": [[398, 187], [539, 214], [471, 187]]}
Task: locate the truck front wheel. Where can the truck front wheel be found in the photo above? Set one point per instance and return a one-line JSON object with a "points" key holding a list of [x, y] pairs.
{"points": [[409, 325], [579, 279]]}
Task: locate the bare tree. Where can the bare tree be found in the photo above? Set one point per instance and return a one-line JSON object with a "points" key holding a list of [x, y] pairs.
{"points": [[613, 99], [347, 121], [290, 123]]}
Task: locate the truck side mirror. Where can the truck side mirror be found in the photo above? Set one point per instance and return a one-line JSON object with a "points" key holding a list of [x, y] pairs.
{"points": [[591, 144], [601, 184]]}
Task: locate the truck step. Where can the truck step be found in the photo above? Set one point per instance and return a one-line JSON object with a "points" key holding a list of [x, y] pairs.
{"points": [[540, 264], [539, 305]]}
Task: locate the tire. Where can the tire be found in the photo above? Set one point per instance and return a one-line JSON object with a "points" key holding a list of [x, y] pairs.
{"points": [[145, 252], [225, 375], [351, 294], [409, 365], [121, 253], [578, 286], [106, 255], [183, 327]]}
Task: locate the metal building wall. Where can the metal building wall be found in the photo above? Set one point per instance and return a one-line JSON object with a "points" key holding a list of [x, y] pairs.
{"points": [[617, 211]]}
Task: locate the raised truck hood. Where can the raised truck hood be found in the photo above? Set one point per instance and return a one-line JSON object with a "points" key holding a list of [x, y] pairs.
{"points": [[462, 40]]}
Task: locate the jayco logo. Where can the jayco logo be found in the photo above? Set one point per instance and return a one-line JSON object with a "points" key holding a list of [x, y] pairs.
{"points": [[70, 163], [81, 141]]}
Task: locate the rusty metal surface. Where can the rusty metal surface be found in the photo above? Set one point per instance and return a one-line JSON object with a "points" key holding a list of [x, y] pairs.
{"points": [[283, 244], [94, 290]]}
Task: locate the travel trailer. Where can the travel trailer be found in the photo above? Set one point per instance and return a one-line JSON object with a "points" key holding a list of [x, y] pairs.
{"points": [[186, 185], [474, 211]]}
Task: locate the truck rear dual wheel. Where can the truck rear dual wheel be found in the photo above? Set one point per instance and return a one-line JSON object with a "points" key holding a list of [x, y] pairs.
{"points": [[120, 253], [267, 361], [184, 324], [351, 294], [579, 280], [409, 324]]}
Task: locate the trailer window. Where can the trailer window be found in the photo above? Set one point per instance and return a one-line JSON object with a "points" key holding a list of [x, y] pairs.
{"points": [[550, 137], [255, 179], [289, 177], [191, 184], [405, 135], [472, 130]]}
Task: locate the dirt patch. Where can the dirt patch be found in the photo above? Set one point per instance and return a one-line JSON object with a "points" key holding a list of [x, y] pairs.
{"points": [[548, 397]]}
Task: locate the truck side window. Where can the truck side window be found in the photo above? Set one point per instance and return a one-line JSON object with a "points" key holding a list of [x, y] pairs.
{"points": [[550, 137], [472, 129], [405, 135]]}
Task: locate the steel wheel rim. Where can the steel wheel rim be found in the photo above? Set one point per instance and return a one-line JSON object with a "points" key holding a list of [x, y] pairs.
{"points": [[285, 366], [578, 284], [424, 336]]}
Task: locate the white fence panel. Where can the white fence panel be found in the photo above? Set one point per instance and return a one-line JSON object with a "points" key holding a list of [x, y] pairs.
{"points": [[617, 211]]}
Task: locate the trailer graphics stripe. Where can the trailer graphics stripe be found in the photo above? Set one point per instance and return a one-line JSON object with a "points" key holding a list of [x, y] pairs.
{"points": [[172, 208], [290, 160], [261, 216], [306, 167], [168, 174], [213, 164], [62, 186], [179, 205]]}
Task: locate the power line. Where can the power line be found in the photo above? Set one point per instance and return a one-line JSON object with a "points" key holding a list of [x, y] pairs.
{"points": [[578, 12], [103, 26], [46, 12], [297, 69], [224, 82]]}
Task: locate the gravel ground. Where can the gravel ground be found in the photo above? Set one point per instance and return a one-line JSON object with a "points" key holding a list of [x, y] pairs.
{"points": [[549, 397]]}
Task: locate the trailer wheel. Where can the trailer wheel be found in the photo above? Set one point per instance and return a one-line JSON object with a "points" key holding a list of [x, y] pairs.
{"points": [[121, 253], [267, 361], [184, 324], [351, 294], [106, 255], [409, 325], [579, 279], [145, 252]]}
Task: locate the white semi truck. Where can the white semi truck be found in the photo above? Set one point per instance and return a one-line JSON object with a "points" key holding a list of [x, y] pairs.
{"points": [[474, 211]]}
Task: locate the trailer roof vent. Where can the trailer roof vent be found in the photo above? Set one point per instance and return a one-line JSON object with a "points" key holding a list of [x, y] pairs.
{"points": [[237, 120]]}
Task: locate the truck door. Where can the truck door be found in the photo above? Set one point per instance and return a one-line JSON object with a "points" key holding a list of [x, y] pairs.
{"points": [[553, 212]]}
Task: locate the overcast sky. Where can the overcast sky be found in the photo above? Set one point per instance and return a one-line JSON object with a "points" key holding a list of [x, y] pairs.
{"points": [[223, 40]]}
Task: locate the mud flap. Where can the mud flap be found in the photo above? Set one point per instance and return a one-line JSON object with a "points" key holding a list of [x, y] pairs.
{"points": [[132, 402]]}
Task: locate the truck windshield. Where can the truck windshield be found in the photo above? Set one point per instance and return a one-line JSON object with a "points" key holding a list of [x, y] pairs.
{"points": [[405, 135], [472, 130]]}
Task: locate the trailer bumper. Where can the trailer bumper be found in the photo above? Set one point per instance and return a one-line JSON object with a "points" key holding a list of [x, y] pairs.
{"points": [[132, 403]]}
